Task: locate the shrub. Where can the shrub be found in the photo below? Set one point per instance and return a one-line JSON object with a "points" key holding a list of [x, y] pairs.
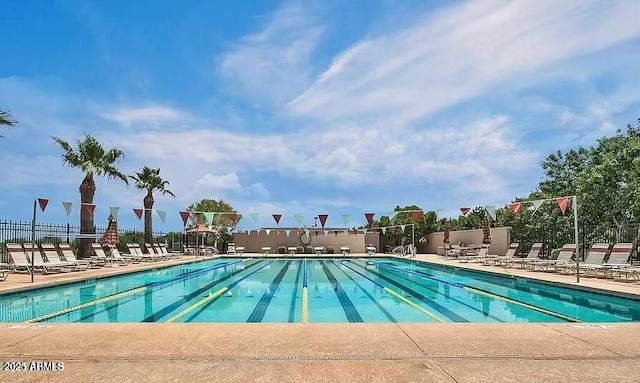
{"points": [[330, 250], [282, 249]]}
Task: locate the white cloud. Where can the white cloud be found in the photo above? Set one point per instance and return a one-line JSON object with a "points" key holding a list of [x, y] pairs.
{"points": [[223, 184], [274, 64], [155, 113], [460, 53]]}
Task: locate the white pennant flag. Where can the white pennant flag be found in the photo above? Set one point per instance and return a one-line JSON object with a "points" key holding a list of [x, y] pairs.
{"points": [[268, 231], [345, 231], [287, 232], [402, 227], [326, 232], [491, 210], [384, 230], [536, 205]]}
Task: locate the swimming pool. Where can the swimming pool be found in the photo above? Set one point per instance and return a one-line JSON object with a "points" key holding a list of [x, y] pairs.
{"points": [[313, 290]]}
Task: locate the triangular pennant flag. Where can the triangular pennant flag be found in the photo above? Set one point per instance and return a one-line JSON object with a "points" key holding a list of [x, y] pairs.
{"points": [[465, 210], [113, 210], [43, 203], [254, 217], [67, 207], [232, 218], [491, 210], [536, 205], [287, 232], [402, 227], [208, 216], [393, 215], [365, 230], [384, 230], [306, 231], [268, 231], [258, 231], [277, 217], [345, 231], [323, 219], [277, 232], [416, 214], [335, 232], [326, 232], [369, 217], [90, 207], [515, 207], [162, 214], [345, 219], [138, 213], [299, 219], [185, 216], [562, 203]]}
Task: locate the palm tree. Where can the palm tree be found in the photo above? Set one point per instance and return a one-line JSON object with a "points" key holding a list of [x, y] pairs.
{"points": [[92, 159], [149, 179], [5, 119]]}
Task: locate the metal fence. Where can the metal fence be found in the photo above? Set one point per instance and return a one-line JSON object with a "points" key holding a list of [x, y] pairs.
{"points": [[21, 232], [587, 235]]}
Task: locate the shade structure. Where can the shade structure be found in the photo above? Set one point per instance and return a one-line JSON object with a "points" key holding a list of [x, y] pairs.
{"points": [[110, 236], [202, 231], [486, 230], [447, 232]]}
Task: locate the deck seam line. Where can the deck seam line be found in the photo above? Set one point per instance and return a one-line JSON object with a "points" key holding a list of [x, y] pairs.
{"points": [[582, 340]]}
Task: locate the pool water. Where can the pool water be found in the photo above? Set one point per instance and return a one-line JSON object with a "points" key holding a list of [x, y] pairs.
{"points": [[313, 290]]}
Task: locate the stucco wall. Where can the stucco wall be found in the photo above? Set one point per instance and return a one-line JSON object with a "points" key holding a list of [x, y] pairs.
{"points": [[500, 239], [253, 242]]}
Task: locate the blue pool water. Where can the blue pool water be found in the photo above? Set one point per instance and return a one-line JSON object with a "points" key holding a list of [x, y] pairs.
{"points": [[313, 290]]}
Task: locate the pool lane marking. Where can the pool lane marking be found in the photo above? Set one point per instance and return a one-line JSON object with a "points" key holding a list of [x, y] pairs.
{"points": [[294, 296], [304, 318], [215, 295], [403, 299], [263, 304], [454, 317], [495, 296], [122, 294], [371, 297], [349, 309]]}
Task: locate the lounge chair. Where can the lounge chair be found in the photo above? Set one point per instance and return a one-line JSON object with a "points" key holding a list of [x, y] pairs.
{"points": [[371, 250], [533, 256], [319, 250], [480, 256], [5, 270], [618, 259], [161, 249], [70, 256], [39, 261], [20, 261], [115, 254], [498, 259], [266, 250], [136, 250], [345, 250], [594, 260], [101, 255], [152, 252], [51, 253], [564, 257], [293, 250], [240, 249]]}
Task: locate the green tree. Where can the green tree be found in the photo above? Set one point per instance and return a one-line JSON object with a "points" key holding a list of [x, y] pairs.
{"points": [[427, 223], [6, 120], [220, 221], [93, 160], [149, 180]]}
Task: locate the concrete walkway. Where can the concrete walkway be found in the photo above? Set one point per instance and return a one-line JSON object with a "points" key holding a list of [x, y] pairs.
{"points": [[324, 352]]}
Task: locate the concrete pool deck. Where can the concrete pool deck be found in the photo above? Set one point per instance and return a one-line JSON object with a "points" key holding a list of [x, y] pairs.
{"points": [[363, 352]]}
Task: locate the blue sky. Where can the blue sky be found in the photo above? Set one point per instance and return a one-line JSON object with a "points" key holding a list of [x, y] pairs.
{"points": [[309, 107]]}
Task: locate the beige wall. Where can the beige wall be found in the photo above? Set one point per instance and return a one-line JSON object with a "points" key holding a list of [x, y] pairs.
{"points": [[500, 239], [253, 242]]}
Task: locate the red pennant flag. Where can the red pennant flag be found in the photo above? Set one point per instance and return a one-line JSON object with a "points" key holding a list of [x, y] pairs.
{"points": [[465, 210], [369, 217], [138, 213], [416, 214], [562, 202], [90, 208], [515, 207], [232, 217], [323, 219], [185, 216], [277, 218], [277, 232], [43, 203]]}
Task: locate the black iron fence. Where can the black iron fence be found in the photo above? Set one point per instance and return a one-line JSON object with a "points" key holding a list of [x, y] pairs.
{"points": [[554, 238], [21, 232]]}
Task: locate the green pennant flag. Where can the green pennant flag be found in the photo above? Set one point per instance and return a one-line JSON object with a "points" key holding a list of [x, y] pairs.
{"points": [[113, 210], [345, 219], [162, 214], [208, 216], [393, 215], [299, 219], [67, 207], [254, 217]]}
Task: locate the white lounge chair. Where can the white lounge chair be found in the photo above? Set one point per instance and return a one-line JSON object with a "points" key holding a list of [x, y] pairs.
{"points": [[533, 256], [152, 252], [293, 250], [115, 254], [135, 248], [266, 250], [319, 250], [101, 255], [19, 259], [479, 257], [51, 253], [70, 256], [345, 250], [240, 249], [40, 263], [593, 261], [564, 257], [498, 259], [371, 250], [618, 259], [5, 270]]}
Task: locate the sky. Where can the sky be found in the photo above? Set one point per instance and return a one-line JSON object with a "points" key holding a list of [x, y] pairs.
{"points": [[309, 107]]}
